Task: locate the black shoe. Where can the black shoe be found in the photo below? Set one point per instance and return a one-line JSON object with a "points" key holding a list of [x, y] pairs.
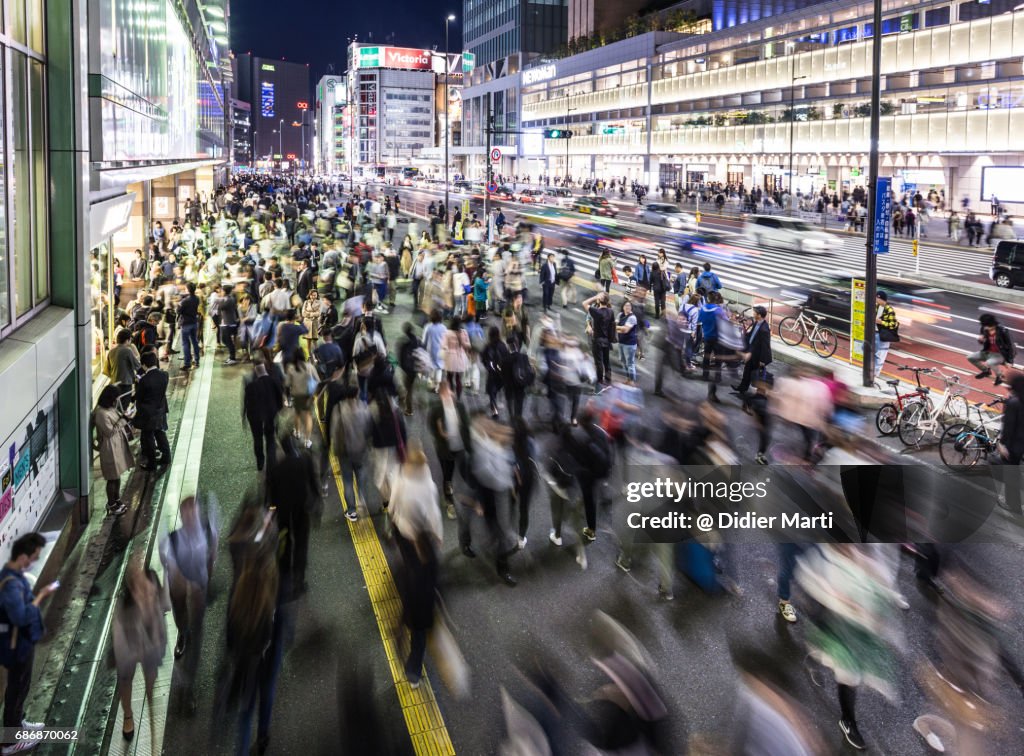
{"points": [[179, 647], [163, 461], [147, 468], [507, 579], [999, 380], [984, 374], [853, 736], [262, 744], [468, 551], [117, 508], [659, 392]]}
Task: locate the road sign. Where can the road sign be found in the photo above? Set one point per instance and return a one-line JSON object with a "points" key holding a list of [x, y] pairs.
{"points": [[858, 294], [495, 155], [883, 215], [492, 188]]}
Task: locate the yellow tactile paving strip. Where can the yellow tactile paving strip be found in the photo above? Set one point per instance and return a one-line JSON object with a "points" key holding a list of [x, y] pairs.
{"points": [[423, 718]]}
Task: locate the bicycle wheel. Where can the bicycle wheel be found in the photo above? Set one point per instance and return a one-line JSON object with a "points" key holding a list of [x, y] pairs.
{"points": [[909, 424], [825, 342], [956, 410], [961, 446], [886, 419], [790, 331]]}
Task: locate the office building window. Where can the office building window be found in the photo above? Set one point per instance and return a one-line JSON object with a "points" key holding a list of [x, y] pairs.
{"points": [[24, 251]]}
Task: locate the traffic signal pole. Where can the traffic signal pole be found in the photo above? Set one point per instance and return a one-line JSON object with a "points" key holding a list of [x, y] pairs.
{"points": [[870, 259], [487, 172]]}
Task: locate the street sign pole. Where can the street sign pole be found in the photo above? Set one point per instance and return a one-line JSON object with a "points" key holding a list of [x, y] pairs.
{"points": [[870, 262]]}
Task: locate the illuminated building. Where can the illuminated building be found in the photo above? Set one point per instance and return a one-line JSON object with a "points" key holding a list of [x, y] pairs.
{"points": [[330, 126], [282, 119]]}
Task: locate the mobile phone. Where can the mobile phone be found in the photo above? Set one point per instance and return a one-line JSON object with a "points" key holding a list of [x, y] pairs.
{"points": [[54, 585]]}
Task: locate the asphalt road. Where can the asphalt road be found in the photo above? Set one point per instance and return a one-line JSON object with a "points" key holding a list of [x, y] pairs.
{"points": [[547, 619]]}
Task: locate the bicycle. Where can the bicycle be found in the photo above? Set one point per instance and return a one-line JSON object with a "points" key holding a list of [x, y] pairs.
{"points": [[919, 418], [965, 444], [793, 331], [888, 414]]}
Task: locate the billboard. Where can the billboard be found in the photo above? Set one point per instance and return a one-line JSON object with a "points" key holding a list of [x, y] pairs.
{"points": [[393, 57], [267, 99], [1003, 182]]}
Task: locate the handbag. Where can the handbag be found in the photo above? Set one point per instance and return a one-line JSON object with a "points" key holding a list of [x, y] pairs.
{"points": [[888, 335]]}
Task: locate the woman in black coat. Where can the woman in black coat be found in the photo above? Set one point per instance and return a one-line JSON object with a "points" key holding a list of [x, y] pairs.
{"points": [[659, 286]]}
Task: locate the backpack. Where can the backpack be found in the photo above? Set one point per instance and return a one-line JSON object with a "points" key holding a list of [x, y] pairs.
{"points": [[1004, 342], [350, 430], [706, 281], [599, 456], [521, 371]]}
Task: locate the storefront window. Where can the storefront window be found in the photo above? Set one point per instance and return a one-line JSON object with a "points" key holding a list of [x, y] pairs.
{"points": [[14, 20], [41, 237], [21, 223], [5, 290], [100, 272]]}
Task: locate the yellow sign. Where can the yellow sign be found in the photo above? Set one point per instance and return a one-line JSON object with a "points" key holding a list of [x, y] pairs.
{"points": [[858, 292], [698, 217], [913, 245], [465, 211]]}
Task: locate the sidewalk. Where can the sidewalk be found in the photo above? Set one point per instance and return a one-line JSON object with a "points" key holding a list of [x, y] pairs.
{"points": [[74, 684]]}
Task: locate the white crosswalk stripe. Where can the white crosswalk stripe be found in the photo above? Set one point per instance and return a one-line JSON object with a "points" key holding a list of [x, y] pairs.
{"points": [[744, 267]]}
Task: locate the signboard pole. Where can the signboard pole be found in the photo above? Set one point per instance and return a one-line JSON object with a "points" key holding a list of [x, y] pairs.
{"points": [[857, 312], [870, 261]]}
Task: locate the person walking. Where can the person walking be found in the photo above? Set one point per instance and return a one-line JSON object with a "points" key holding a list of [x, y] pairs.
{"points": [[21, 627], [311, 312], [455, 350], [151, 413], [189, 321], [627, 330], [997, 348], [226, 309], [139, 638], [759, 350], [449, 425], [494, 357], [659, 287], [263, 398], [566, 273], [601, 327], [389, 440], [112, 431], [548, 282], [416, 516], [351, 428], [302, 381], [605, 270]]}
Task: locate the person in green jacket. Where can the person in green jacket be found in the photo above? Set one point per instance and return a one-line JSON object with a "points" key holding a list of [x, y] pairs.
{"points": [[604, 270]]}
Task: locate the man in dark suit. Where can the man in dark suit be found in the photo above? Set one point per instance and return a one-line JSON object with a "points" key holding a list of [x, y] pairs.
{"points": [[548, 281], [759, 349], [305, 282], [151, 412]]}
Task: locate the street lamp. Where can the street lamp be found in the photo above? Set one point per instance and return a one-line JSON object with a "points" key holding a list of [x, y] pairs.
{"points": [[447, 124], [280, 134]]}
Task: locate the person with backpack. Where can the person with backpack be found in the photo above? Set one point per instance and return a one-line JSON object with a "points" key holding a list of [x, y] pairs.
{"points": [[407, 350], [886, 330], [494, 357], [302, 381], [112, 432], [517, 376], [389, 440], [21, 627], [566, 273], [659, 287], [997, 348], [708, 281], [491, 475]]}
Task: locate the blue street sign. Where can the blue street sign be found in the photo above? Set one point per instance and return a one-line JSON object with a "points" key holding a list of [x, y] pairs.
{"points": [[492, 188], [883, 215]]}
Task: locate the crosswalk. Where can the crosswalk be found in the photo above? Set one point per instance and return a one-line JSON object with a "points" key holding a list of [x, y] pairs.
{"points": [[742, 266]]}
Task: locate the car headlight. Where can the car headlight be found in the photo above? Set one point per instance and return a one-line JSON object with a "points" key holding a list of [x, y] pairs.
{"points": [[674, 222]]}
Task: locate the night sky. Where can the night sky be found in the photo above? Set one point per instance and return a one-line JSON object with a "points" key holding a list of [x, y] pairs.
{"points": [[316, 31]]}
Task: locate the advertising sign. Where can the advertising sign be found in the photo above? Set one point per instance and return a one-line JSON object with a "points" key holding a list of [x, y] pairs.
{"points": [[468, 62], [883, 215], [858, 292], [540, 73], [28, 472], [408, 58], [267, 99]]}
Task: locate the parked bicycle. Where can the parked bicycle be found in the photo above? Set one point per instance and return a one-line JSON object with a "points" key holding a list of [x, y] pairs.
{"points": [[966, 444], [887, 417], [794, 330], [922, 417]]}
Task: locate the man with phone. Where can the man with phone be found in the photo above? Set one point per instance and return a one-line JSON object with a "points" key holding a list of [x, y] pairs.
{"points": [[21, 627]]}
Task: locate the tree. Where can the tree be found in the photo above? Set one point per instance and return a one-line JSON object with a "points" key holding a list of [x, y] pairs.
{"points": [[837, 110], [634, 27]]}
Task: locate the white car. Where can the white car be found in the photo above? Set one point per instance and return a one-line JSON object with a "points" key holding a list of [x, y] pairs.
{"points": [[558, 197], [787, 233], [663, 214]]}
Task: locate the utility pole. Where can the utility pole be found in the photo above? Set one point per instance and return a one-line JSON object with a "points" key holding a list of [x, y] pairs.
{"points": [[870, 261], [447, 123]]}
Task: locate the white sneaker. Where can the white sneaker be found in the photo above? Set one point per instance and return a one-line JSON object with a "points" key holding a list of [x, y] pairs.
{"points": [[787, 611], [522, 543], [557, 540], [33, 725], [901, 602]]}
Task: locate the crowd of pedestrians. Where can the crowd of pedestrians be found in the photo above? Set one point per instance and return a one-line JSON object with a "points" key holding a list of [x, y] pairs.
{"points": [[347, 333]]}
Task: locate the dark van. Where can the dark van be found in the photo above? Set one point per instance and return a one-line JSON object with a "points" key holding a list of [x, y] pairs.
{"points": [[1008, 264]]}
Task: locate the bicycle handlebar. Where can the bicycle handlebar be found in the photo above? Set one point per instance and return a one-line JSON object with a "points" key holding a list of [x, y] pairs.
{"points": [[917, 369]]}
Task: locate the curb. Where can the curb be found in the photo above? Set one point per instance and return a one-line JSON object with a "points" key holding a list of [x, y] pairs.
{"points": [[991, 292]]}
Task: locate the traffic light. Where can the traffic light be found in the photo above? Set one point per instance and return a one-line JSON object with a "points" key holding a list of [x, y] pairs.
{"points": [[557, 134]]}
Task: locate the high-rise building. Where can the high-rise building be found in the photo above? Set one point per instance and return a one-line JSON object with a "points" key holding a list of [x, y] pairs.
{"points": [[329, 150], [241, 133], [588, 18], [395, 104], [504, 37], [282, 120]]}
